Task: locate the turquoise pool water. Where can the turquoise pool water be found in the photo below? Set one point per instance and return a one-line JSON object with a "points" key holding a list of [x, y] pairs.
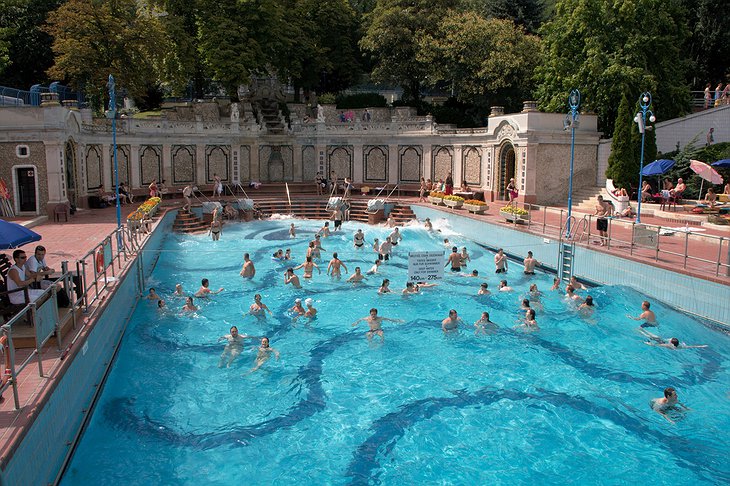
{"points": [[567, 403]]}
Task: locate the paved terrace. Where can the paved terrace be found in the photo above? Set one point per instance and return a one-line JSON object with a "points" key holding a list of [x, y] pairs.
{"points": [[73, 239]]}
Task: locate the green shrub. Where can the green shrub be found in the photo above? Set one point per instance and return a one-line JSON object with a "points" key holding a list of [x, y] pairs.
{"points": [[327, 99]]}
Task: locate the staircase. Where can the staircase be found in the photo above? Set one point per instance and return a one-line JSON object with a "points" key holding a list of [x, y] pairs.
{"points": [[586, 198], [402, 214], [316, 208], [187, 222]]}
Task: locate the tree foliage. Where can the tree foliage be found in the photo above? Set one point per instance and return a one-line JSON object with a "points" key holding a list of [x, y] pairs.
{"points": [[610, 48], [485, 60], [526, 13], [93, 39], [25, 48], [395, 29], [708, 47]]}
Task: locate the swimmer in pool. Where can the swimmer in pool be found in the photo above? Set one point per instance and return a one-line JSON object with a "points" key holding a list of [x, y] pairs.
{"points": [[465, 257], [358, 239], [529, 321], [647, 315], [153, 295], [179, 290], [258, 309], [483, 325], [189, 306], [374, 269], [233, 347], [671, 343], [333, 268], [452, 322], [535, 297], [264, 354], [204, 291], [570, 294], [447, 244], [297, 308], [385, 287], [287, 254], [576, 284], [474, 273], [484, 289], [587, 307], [503, 287], [530, 263], [308, 266], [385, 249], [248, 270], [667, 404], [500, 262], [311, 311], [324, 230], [292, 231], [291, 278], [410, 289], [395, 236], [160, 304], [427, 224], [376, 245], [556, 284], [525, 304], [375, 322], [216, 229], [278, 255], [454, 260], [357, 276]]}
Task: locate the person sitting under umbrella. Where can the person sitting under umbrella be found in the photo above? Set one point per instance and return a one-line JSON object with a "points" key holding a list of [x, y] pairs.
{"points": [[646, 192], [17, 280], [679, 189], [710, 197]]}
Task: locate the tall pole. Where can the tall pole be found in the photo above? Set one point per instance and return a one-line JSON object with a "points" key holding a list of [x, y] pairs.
{"points": [[640, 120], [571, 122], [112, 113]]}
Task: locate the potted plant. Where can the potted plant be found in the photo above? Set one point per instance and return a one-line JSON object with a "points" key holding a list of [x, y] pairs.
{"points": [[454, 201], [475, 206], [515, 214], [436, 197]]}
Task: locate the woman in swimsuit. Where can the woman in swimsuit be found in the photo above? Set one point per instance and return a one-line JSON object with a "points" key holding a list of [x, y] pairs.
{"points": [[359, 239], [512, 191], [264, 354], [216, 228], [308, 265], [258, 309]]}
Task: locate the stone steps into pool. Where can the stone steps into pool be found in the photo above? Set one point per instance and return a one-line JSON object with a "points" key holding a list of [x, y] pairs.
{"points": [[317, 209], [186, 222]]}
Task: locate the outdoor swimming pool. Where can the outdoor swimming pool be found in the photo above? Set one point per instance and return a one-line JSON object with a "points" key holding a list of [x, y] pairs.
{"points": [[566, 403]]}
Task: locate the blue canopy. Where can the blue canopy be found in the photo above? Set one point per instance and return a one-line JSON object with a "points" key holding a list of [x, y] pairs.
{"points": [[722, 163], [13, 235], [658, 167]]}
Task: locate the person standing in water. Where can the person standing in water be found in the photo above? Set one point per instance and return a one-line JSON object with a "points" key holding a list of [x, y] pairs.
{"points": [[375, 322], [233, 347], [258, 309], [334, 266], [264, 354]]}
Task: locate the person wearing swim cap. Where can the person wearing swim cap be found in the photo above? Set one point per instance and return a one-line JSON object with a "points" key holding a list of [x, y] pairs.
{"points": [[311, 311]]}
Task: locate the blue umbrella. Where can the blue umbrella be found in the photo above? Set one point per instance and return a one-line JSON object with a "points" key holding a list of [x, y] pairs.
{"points": [[722, 163], [658, 167], [13, 235]]}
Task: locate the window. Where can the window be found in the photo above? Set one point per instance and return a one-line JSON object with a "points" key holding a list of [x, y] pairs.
{"points": [[22, 151]]}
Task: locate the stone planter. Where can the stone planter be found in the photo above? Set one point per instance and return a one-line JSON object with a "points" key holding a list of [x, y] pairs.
{"points": [[436, 200], [512, 217], [453, 204], [476, 208]]}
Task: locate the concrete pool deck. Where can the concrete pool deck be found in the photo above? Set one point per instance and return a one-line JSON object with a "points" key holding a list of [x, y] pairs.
{"points": [[73, 239]]}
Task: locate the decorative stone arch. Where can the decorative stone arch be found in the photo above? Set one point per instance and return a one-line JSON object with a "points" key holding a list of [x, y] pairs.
{"points": [[275, 163], [339, 159], [443, 161], [183, 164], [410, 163], [507, 166], [217, 159], [309, 163], [471, 166], [122, 164], [150, 164], [94, 160], [376, 163], [245, 161]]}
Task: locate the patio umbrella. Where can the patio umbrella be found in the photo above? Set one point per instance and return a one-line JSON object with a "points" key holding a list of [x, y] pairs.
{"points": [[13, 235], [706, 172], [658, 167], [722, 163]]}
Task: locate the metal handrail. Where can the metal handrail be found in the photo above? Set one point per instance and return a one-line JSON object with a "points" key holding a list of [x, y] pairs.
{"points": [[286, 184], [381, 191], [391, 192]]}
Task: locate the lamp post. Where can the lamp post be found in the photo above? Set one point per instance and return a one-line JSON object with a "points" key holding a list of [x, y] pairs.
{"points": [[112, 113], [640, 120], [571, 121]]}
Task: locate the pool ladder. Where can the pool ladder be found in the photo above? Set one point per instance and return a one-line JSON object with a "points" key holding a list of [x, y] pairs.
{"points": [[567, 247]]}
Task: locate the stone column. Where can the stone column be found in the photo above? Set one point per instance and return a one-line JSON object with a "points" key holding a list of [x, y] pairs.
{"points": [[297, 164], [200, 164], [235, 164], [393, 164], [426, 161], [55, 174], [107, 166], [254, 168], [167, 164], [135, 166], [358, 163], [458, 169]]}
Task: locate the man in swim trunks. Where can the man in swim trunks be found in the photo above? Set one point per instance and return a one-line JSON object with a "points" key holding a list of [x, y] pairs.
{"points": [[358, 239], [454, 260], [576, 284], [308, 265], [503, 287], [530, 263], [233, 347], [375, 323], [395, 236], [670, 401], [376, 245], [153, 295], [337, 217], [357, 276], [647, 315], [291, 278], [452, 322], [427, 224], [334, 267], [500, 262], [385, 249], [374, 269], [324, 230], [603, 210]]}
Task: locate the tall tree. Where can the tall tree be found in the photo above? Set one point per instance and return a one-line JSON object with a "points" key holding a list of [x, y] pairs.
{"points": [[394, 30], [27, 46], [609, 48], [485, 60], [93, 38], [527, 13], [709, 44]]}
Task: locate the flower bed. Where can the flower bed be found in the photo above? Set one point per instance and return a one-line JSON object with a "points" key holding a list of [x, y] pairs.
{"points": [[454, 201], [475, 206], [147, 208], [436, 197], [515, 214]]}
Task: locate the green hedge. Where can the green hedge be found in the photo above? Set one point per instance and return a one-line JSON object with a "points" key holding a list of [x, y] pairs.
{"points": [[361, 100]]}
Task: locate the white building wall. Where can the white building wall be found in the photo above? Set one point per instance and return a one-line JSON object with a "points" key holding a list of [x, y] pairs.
{"points": [[681, 131]]}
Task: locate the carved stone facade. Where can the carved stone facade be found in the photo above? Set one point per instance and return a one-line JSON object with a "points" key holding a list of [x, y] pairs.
{"points": [[410, 163], [150, 161], [339, 159], [94, 166], [217, 159], [443, 162], [472, 166], [309, 163], [122, 163], [376, 163], [183, 164]]}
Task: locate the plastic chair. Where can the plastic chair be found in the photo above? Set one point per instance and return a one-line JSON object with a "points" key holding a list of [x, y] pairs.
{"points": [[668, 199], [60, 209]]}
